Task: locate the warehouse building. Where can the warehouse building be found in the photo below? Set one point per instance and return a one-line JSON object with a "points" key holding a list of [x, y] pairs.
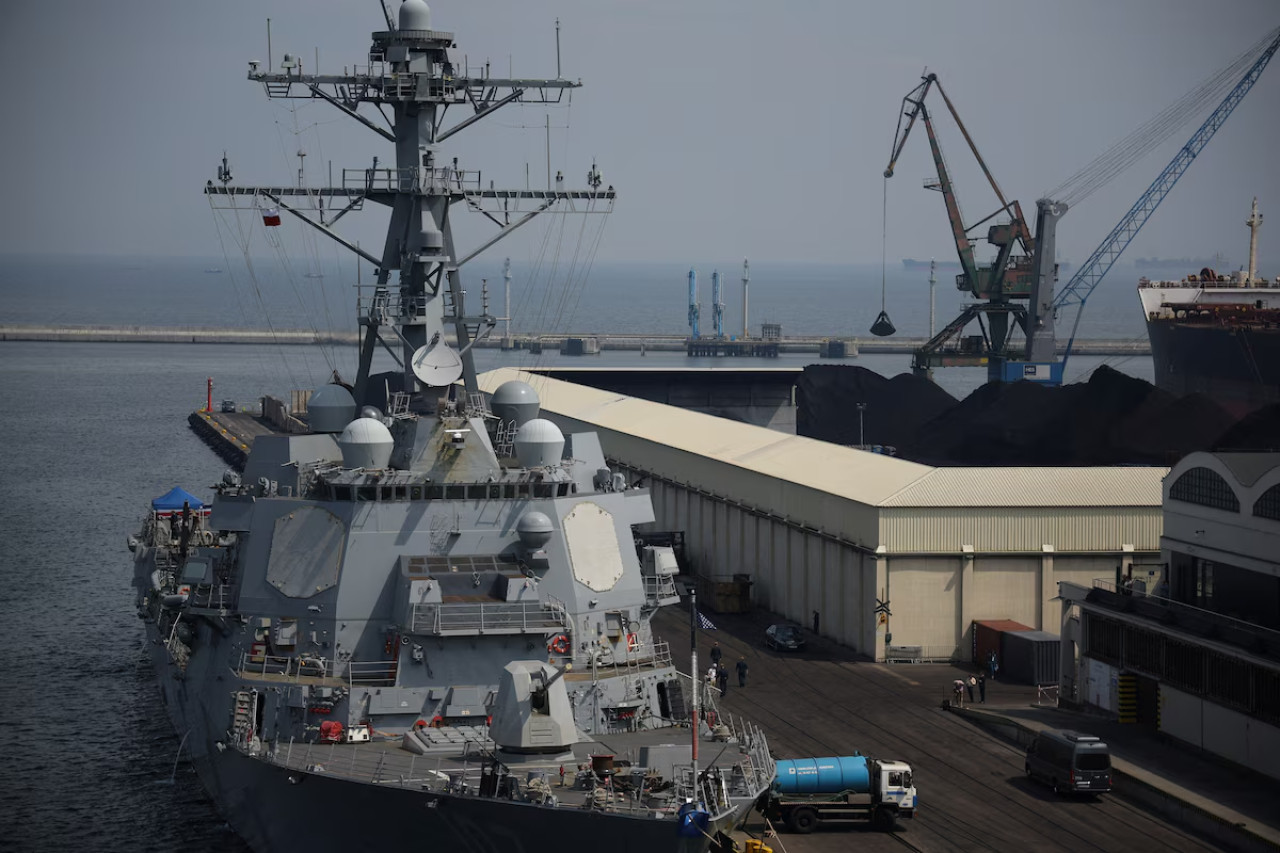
{"points": [[895, 558]]}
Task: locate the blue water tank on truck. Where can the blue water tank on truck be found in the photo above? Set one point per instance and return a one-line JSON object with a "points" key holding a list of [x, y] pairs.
{"points": [[809, 791]]}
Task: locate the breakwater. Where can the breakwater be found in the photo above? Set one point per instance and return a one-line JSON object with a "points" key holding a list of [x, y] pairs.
{"points": [[602, 341]]}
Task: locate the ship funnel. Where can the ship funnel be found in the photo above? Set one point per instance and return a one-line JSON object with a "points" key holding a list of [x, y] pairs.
{"points": [[515, 401], [539, 444], [365, 443], [330, 409]]}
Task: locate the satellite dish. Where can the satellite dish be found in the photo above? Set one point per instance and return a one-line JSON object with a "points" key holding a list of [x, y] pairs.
{"points": [[436, 365]]}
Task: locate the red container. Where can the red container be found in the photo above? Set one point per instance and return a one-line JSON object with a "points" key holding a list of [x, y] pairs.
{"points": [[986, 637]]}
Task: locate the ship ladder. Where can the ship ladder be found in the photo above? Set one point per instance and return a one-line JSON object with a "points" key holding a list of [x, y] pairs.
{"points": [[245, 711]]}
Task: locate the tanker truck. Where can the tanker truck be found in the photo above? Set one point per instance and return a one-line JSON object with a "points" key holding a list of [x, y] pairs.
{"points": [[809, 791]]}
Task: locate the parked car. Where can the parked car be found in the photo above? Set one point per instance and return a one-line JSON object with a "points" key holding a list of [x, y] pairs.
{"points": [[784, 638], [1070, 762]]}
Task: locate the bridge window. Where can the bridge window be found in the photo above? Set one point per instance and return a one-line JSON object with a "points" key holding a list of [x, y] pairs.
{"points": [[1268, 506], [1206, 488]]}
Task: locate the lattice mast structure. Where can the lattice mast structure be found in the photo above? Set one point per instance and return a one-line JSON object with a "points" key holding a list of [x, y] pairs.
{"points": [[414, 76]]}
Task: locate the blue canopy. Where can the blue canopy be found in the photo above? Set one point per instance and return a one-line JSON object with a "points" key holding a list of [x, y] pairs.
{"points": [[174, 498]]}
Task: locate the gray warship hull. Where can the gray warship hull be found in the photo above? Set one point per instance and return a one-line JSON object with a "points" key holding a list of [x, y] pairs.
{"points": [[418, 614]]}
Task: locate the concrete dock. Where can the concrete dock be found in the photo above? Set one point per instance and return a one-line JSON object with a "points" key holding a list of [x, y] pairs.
{"points": [[825, 701], [229, 434]]}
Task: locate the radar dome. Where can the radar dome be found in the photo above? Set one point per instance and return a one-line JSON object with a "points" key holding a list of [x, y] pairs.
{"points": [[330, 409], [515, 401], [534, 529], [365, 443], [539, 444], [370, 412], [415, 15]]}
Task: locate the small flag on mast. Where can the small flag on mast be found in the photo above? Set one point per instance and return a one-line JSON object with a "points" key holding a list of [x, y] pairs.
{"points": [[704, 623], [271, 216]]}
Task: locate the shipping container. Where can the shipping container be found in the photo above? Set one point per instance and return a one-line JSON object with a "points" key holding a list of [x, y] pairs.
{"points": [[986, 638], [1030, 657]]}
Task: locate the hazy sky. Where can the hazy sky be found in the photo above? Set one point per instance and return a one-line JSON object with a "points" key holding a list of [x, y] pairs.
{"points": [[729, 129]]}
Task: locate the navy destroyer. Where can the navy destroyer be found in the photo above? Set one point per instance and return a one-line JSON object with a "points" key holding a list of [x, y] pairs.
{"points": [[420, 617], [1217, 334]]}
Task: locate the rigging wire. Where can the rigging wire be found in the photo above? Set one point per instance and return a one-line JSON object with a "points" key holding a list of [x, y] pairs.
{"points": [[243, 240], [1157, 129], [221, 229], [884, 240]]}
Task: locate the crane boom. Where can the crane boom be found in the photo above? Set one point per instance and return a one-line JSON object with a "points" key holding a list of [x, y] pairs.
{"points": [[1040, 331]]}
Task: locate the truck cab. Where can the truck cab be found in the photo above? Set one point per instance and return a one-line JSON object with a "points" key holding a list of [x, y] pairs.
{"points": [[897, 792]]}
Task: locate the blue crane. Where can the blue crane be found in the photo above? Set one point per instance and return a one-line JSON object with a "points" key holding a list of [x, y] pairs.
{"points": [[694, 308], [717, 305], [1042, 364]]}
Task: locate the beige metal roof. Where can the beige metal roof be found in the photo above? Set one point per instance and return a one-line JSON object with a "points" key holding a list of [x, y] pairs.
{"points": [[1034, 487], [867, 478], [852, 474]]}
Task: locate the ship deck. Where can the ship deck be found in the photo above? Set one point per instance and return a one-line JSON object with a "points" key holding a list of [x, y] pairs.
{"points": [[455, 757]]}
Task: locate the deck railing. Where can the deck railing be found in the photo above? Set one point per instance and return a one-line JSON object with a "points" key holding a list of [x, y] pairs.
{"points": [[499, 617]]}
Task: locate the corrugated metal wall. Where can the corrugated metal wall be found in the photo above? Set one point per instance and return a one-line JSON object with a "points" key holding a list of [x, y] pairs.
{"points": [[916, 530], [797, 568]]}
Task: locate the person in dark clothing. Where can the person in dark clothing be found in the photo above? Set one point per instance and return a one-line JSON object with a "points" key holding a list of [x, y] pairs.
{"points": [[716, 654], [722, 676], [982, 687], [742, 672], [815, 621]]}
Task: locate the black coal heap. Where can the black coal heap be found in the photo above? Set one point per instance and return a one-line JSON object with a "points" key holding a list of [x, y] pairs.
{"points": [[1112, 419]]}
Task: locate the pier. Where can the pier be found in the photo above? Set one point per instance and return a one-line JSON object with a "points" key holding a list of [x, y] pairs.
{"points": [[231, 434], [826, 346]]}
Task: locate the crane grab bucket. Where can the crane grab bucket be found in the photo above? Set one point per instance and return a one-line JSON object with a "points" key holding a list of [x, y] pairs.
{"points": [[883, 326]]}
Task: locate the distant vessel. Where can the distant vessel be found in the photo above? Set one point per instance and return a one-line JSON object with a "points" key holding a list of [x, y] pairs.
{"points": [[1216, 334], [916, 264], [212, 270], [420, 620], [1217, 262]]}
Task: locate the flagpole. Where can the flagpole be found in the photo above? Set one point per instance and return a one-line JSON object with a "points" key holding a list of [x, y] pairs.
{"points": [[697, 680]]}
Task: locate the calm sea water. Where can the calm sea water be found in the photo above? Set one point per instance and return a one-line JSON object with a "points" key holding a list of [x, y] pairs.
{"points": [[643, 298], [94, 431]]}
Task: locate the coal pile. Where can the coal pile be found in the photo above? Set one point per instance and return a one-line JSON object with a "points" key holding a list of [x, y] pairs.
{"points": [[827, 397], [1259, 430], [1112, 419]]}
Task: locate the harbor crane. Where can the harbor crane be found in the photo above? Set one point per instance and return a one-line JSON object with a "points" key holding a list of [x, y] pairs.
{"points": [[1033, 276], [1003, 285], [695, 310], [717, 305], [1042, 363]]}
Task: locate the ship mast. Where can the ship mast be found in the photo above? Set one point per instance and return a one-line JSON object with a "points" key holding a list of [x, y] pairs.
{"points": [[415, 74], [1254, 222]]}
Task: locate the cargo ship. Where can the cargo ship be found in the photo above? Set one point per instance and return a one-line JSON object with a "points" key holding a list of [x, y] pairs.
{"points": [[1217, 334]]}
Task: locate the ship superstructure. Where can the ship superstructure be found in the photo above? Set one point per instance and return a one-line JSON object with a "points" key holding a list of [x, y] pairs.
{"points": [[1217, 334], [424, 617]]}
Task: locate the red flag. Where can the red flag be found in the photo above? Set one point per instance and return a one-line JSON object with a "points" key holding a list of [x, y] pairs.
{"points": [[270, 216]]}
